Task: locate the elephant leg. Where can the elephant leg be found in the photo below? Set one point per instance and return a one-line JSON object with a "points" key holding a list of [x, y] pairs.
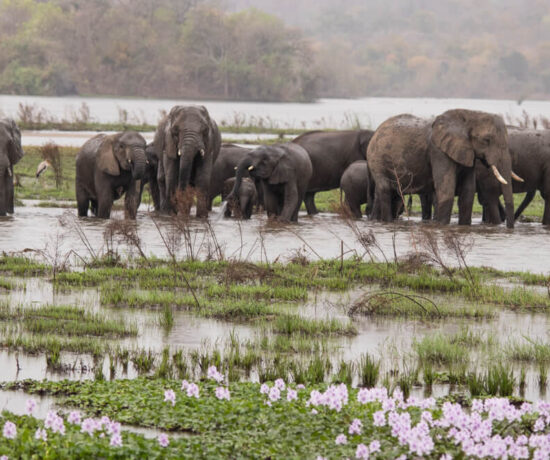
{"points": [[426, 202], [248, 208], [155, 192], [309, 201], [354, 207], [528, 198], [105, 204], [4, 178], [466, 198], [383, 201], [10, 192], [94, 207], [445, 186], [271, 201], [202, 187], [502, 211], [83, 202], [546, 196], [171, 182], [291, 202]]}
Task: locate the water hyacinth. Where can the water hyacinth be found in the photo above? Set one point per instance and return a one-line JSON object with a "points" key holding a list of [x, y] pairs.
{"points": [[116, 440], [74, 417], [54, 422], [191, 389], [213, 374], [41, 434], [222, 393], [9, 431], [30, 405], [163, 440], [89, 425], [170, 396], [341, 439], [355, 427]]}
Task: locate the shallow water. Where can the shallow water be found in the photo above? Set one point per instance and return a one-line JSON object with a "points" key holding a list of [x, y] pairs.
{"points": [[325, 113], [524, 248]]}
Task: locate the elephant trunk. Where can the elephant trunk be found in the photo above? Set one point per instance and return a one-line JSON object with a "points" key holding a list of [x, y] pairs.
{"points": [[242, 170], [188, 153], [500, 164], [138, 163]]}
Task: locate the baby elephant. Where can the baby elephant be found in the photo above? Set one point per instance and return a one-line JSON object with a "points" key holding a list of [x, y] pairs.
{"points": [[354, 183], [106, 168], [242, 205]]}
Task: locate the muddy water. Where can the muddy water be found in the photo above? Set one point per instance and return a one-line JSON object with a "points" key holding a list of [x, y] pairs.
{"points": [[523, 248]]}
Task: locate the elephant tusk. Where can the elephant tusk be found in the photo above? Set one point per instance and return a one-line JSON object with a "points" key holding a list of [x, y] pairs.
{"points": [[250, 168], [498, 176], [9, 172], [146, 162], [235, 168], [516, 177], [202, 152], [179, 152]]}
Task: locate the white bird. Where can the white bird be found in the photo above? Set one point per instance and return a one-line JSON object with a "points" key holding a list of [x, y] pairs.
{"points": [[42, 167]]}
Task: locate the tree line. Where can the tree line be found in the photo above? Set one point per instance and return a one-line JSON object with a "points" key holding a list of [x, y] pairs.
{"points": [[286, 51]]}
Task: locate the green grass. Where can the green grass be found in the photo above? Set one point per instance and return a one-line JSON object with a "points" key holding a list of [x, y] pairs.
{"points": [[294, 324], [438, 349]]}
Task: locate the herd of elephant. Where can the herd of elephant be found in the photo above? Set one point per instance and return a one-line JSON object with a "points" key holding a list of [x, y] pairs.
{"points": [[458, 153]]}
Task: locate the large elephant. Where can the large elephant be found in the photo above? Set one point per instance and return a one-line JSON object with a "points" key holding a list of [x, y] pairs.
{"points": [[187, 143], [108, 167], [10, 153], [224, 168], [411, 155], [531, 161], [242, 204], [331, 153], [284, 171]]}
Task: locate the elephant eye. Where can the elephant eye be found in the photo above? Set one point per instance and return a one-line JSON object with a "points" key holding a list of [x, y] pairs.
{"points": [[486, 140]]}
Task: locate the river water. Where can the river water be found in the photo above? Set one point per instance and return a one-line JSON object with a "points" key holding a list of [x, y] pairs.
{"points": [[326, 113]]}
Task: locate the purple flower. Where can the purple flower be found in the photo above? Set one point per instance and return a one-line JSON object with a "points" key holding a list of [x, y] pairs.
{"points": [[223, 393], [184, 385], [379, 418], [374, 446], [74, 417], [41, 434], [31, 405], [539, 424], [89, 425], [116, 440], [54, 422], [213, 373], [264, 389], [341, 439], [362, 451], [193, 390], [4, 457], [300, 386], [355, 427], [170, 396], [446, 457], [291, 395], [113, 428], [9, 431], [163, 440], [274, 394], [280, 384]]}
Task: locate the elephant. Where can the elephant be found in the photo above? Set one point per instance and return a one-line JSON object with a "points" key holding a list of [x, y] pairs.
{"points": [[530, 150], [187, 143], [150, 176], [354, 183], [331, 153], [411, 155], [243, 204], [284, 171], [224, 168], [11, 152], [106, 168]]}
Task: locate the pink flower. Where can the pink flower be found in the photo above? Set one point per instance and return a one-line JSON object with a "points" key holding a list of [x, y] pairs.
{"points": [[280, 384], [74, 417], [374, 446], [539, 424], [89, 425], [362, 451], [54, 422], [41, 434], [223, 393], [116, 440], [4, 457], [341, 439], [31, 405], [446, 457], [264, 389], [300, 386], [163, 440], [113, 428], [170, 396], [9, 431], [184, 385]]}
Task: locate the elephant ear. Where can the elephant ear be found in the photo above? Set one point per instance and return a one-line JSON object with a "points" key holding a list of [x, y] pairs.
{"points": [[450, 135], [283, 170], [106, 159], [15, 151]]}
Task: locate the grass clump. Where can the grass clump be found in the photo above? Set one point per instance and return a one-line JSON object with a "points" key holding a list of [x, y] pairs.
{"points": [[437, 349], [294, 324]]}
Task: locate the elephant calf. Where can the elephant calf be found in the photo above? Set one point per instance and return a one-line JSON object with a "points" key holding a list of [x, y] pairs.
{"points": [[106, 168], [10, 153], [241, 205], [354, 183]]}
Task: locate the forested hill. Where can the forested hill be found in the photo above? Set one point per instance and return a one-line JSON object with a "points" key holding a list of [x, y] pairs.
{"points": [[276, 50]]}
